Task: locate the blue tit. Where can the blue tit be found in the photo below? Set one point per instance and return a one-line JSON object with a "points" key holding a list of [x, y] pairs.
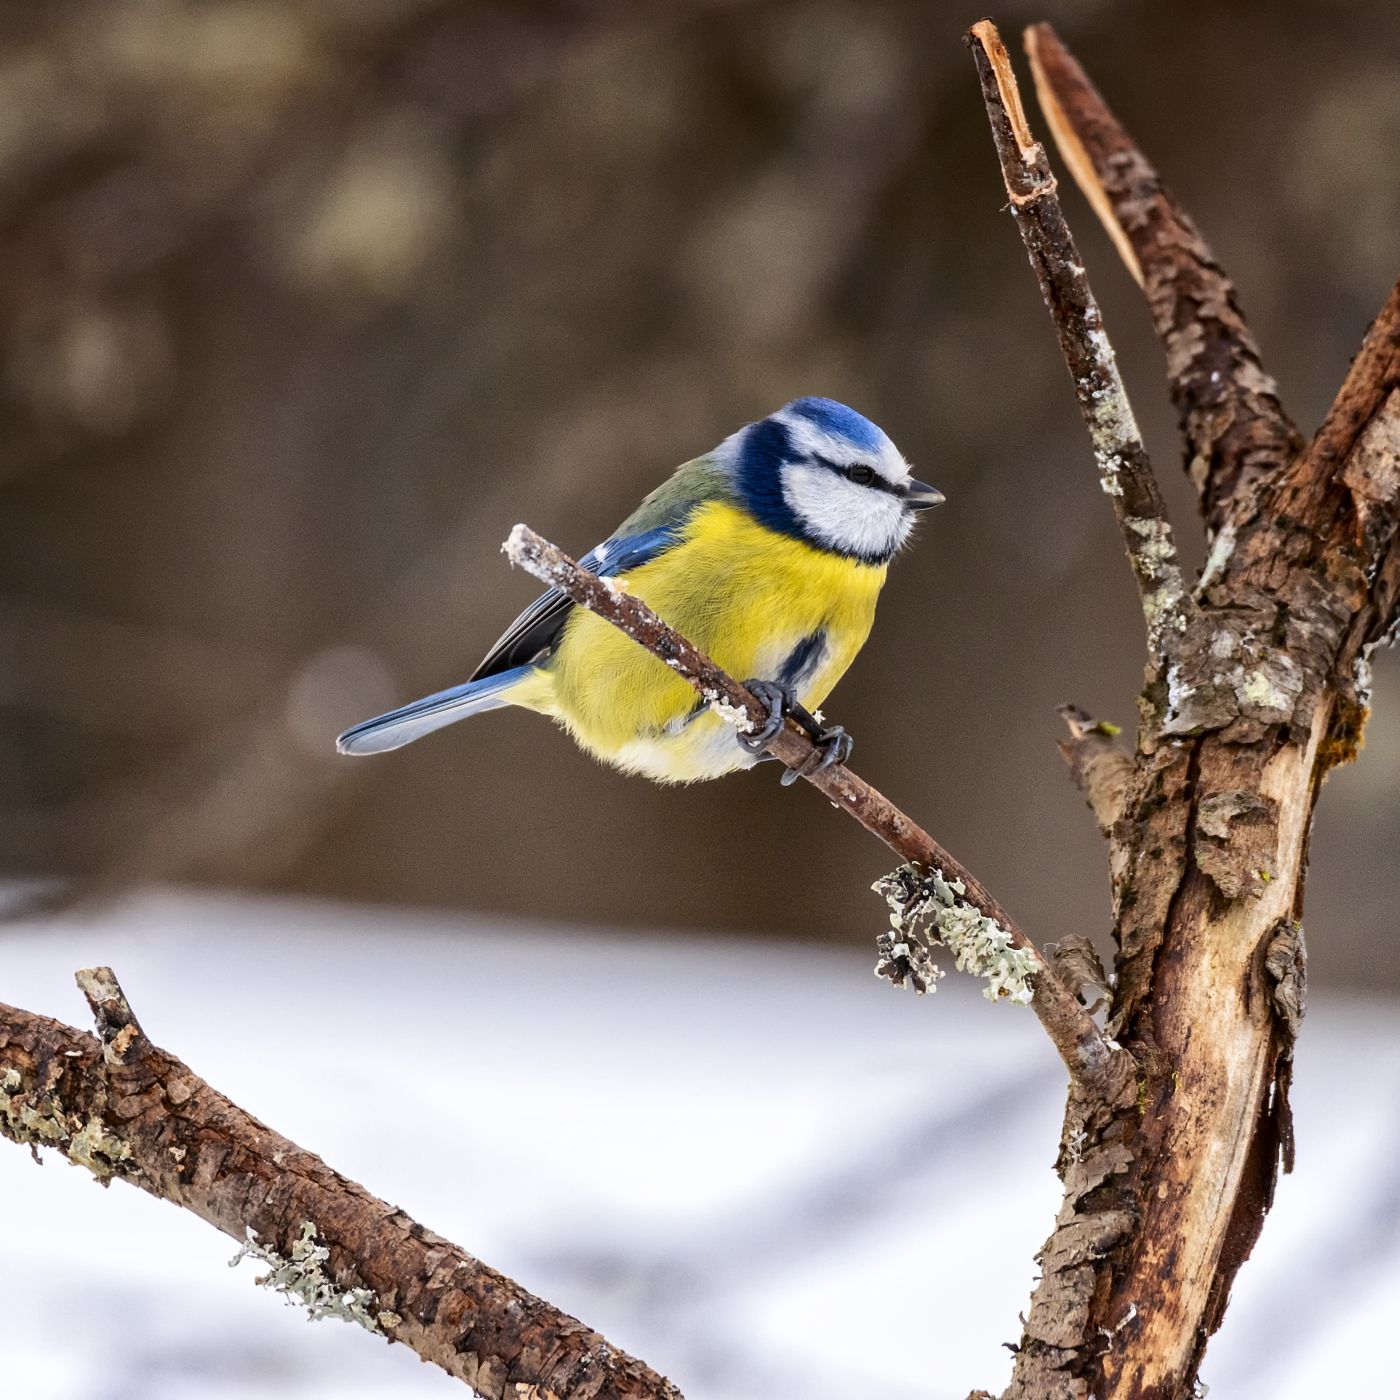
{"points": [[768, 553]]}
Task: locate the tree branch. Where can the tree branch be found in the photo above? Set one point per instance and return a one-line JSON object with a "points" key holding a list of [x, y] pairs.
{"points": [[1263, 690], [125, 1109], [1124, 469], [1098, 763], [1081, 1045], [1361, 420], [1350, 473], [1235, 430]]}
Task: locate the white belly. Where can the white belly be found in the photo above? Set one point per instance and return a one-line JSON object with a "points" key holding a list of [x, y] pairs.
{"points": [[708, 747]]}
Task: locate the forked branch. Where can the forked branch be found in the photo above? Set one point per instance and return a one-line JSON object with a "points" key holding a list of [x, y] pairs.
{"points": [[1125, 471], [1081, 1045], [1261, 692], [1235, 429]]}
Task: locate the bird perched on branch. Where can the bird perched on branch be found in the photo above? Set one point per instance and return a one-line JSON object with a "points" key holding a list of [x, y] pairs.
{"points": [[768, 553]]}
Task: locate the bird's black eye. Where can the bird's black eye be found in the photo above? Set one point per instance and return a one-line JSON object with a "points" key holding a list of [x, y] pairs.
{"points": [[862, 474]]}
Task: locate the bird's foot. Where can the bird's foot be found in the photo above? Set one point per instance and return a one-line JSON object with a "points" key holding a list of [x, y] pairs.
{"points": [[778, 700], [832, 744]]}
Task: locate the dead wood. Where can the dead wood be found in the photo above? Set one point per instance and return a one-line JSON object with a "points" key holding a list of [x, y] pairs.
{"points": [[1246, 706], [1098, 763], [1125, 471], [129, 1111]]}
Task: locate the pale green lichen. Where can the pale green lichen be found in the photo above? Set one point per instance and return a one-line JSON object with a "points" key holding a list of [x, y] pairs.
{"points": [[1230, 673], [27, 1119], [1156, 548], [927, 909], [1155, 556], [1117, 443], [103, 1153], [1260, 689], [39, 1120], [304, 1281]]}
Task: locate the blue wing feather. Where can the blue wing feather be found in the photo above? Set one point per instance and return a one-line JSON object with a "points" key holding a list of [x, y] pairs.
{"points": [[538, 627], [523, 643], [410, 722]]}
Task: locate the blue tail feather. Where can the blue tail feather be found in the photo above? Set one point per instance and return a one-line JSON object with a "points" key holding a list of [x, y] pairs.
{"points": [[410, 722]]}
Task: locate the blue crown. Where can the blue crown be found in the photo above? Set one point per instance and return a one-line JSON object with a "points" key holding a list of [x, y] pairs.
{"points": [[838, 420]]}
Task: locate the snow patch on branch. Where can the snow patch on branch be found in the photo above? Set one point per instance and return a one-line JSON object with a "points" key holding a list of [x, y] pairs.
{"points": [[736, 715], [527, 550]]}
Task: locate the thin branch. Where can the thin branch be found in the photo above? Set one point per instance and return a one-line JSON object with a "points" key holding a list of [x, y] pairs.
{"points": [[1357, 451], [1124, 469], [1098, 763], [1085, 1052], [1236, 431], [125, 1109], [120, 1032], [1366, 397]]}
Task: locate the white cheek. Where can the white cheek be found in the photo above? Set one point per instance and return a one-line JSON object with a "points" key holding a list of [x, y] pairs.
{"points": [[844, 516]]}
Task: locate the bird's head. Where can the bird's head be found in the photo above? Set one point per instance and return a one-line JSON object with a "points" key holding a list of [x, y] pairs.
{"points": [[820, 472]]}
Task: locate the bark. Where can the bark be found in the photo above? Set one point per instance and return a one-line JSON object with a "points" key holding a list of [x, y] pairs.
{"points": [[129, 1111], [1099, 765], [1245, 709], [1125, 472]]}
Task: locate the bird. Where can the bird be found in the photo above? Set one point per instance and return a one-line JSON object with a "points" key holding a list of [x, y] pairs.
{"points": [[768, 552]]}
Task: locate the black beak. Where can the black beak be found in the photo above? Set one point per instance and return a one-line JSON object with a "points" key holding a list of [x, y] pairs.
{"points": [[919, 495]]}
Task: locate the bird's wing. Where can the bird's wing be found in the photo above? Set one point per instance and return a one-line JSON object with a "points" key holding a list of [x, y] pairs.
{"points": [[648, 532], [537, 629]]}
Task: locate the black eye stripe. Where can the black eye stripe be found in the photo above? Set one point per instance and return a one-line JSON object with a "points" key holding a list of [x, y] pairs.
{"points": [[878, 483]]}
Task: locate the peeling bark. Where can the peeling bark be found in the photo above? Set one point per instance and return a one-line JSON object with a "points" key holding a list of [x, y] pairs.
{"points": [[1245, 708], [1125, 472]]}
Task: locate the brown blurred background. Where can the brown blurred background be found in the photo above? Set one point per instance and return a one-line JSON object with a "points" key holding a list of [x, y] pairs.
{"points": [[303, 305]]}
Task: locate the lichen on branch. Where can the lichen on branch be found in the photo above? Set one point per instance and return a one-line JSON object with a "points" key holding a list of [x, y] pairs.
{"points": [[1125, 470], [927, 908], [127, 1110], [1236, 433], [302, 1278]]}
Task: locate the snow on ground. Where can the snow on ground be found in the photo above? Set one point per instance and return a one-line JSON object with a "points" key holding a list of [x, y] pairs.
{"points": [[770, 1175]]}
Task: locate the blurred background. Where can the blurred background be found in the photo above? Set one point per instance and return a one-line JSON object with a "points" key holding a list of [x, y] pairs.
{"points": [[302, 306], [305, 304]]}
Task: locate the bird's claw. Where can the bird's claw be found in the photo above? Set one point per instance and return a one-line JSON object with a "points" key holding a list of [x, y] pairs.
{"points": [[831, 745], [778, 700]]}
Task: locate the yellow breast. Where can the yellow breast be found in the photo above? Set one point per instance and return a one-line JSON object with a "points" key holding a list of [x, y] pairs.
{"points": [[748, 597]]}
